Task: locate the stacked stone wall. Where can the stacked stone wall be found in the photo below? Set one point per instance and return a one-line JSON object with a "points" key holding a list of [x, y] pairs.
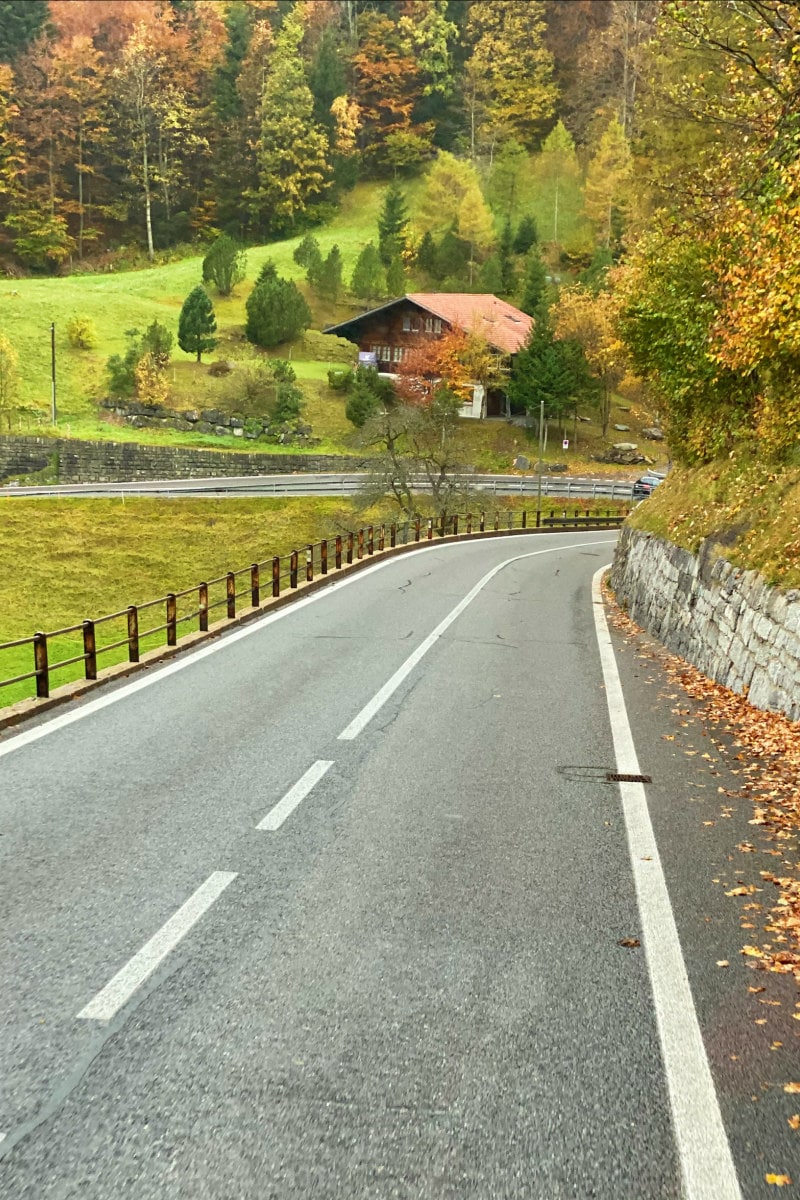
{"points": [[727, 622], [76, 461]]}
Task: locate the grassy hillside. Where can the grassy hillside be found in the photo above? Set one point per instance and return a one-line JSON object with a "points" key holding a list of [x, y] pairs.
{"points": [[750, 508], [116, 302]]}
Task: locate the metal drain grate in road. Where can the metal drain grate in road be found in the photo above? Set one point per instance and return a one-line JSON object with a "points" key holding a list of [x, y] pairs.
{"points": [[621, 777]]}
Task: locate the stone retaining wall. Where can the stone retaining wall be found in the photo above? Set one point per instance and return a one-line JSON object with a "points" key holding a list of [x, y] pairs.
{"points": [[121, 462], [727, 622]]}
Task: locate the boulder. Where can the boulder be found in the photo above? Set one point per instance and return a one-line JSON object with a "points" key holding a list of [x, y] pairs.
{"points": [[191, 414], [223, 367], [653, 435], [625, 446], [623, 428], [522, 463]]}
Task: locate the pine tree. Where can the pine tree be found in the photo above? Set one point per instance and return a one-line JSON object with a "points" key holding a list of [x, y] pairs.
{"points": [[392, 225], [197, 323], [19, 24], [369, 278], [452, 257], [526, 236], [330, 284], [276, 312], [426, 254]]}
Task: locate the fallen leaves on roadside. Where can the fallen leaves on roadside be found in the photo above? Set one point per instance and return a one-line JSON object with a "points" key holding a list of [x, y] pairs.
{"points": [[792, 1088], [778, 1180], [723, 962], [794, 1121], [630, 943]]}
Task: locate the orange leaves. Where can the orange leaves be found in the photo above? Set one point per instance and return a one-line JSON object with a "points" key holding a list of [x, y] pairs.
{"points": [[778, 1180]]}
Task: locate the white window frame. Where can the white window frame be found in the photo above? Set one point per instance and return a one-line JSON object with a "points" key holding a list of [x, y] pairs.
{"points": [[407, 323], [429, 324]]}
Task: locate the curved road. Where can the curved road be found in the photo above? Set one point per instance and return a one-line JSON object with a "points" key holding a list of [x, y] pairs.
{"points": [[332, 907]]}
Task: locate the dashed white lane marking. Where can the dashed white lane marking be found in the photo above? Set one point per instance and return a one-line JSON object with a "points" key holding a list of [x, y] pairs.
{"points": [[277, 815], [18, 740], [702, 1144], [119, 989], [379, 699]]}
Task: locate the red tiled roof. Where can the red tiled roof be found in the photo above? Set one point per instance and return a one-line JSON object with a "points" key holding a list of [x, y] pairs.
{"points": [[503, 326]]}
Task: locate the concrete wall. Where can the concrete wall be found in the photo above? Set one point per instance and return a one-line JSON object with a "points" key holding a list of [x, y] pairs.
{"points": [[727, 622], [101, 462]]}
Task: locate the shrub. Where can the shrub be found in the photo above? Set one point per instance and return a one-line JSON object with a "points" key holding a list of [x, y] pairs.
{"points": [[276, 312], [340, 379], [81, 333]]}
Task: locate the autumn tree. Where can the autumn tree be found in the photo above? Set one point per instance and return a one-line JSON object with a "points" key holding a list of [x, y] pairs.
{"points": [[511, 91], [293, 169], [608, 183], [197, 323], [387, 85], [590, 320], [9, 380], [558, 190]]}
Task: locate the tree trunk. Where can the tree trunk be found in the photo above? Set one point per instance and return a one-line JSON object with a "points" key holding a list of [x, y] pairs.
{"points": [[80, 189], [146, 178]]}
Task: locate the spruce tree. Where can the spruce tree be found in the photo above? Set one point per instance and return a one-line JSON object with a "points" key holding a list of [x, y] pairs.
{"points": [[197, 323], [506, 260], [392, 225], [369, 278], [535, 283]]}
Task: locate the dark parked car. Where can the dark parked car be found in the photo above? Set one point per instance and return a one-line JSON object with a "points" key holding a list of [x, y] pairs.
{"points": [[644, 486]]}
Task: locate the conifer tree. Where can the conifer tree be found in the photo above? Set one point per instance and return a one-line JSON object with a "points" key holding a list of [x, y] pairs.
{"points": [[396, 277], [369, 278], [225, 264], [526, 235], [276, 312], [329, 284], [392, 225], [426, 254], [535, 283], [506, 259], [197, 323]]}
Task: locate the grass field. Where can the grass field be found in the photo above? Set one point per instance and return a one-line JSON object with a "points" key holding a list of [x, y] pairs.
{"points": [[67, 560]]}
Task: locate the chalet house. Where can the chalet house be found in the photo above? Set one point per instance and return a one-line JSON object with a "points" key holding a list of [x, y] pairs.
{"points": [[385, 335]]}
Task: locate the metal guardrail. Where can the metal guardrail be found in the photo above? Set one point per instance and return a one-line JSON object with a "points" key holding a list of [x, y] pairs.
{"points": [[269, 579]]}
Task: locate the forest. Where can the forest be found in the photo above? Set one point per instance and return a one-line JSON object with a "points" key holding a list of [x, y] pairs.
{"points": [[646, 151]]}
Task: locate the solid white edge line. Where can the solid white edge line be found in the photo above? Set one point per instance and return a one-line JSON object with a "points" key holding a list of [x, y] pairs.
{"points": [[377, 702], [118, 990], [702, 1144], [17, 741], [277, 815]]}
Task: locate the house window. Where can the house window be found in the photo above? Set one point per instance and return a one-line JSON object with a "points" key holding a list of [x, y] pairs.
{"points": [[397, 354], [406, 324], [429, 324], [437, 325], [386, 354]]}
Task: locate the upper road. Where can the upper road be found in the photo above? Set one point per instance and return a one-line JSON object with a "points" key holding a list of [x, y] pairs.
{"points": [[328, 485], [333, 906]]}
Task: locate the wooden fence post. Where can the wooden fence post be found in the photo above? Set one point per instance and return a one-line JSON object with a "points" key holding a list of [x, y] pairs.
{"points": [[338, 552], [90, 650], [455, 524], [255, 586], [202, 606], [361, 543], [323, 556], [230, 594], [276, 575], [417, 530], [309, 563], [40, 665], [172, 620], [430, 529], [524, 518], [133, 633], [293, 569], [350, 547], [393, 535], [370, 540]]}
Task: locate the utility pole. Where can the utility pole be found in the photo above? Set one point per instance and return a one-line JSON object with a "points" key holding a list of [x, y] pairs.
{"points": [[53, 412]]}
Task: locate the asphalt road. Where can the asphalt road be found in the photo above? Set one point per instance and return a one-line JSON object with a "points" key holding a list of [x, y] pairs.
{"points": [[333, 908], [322, 484]]}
